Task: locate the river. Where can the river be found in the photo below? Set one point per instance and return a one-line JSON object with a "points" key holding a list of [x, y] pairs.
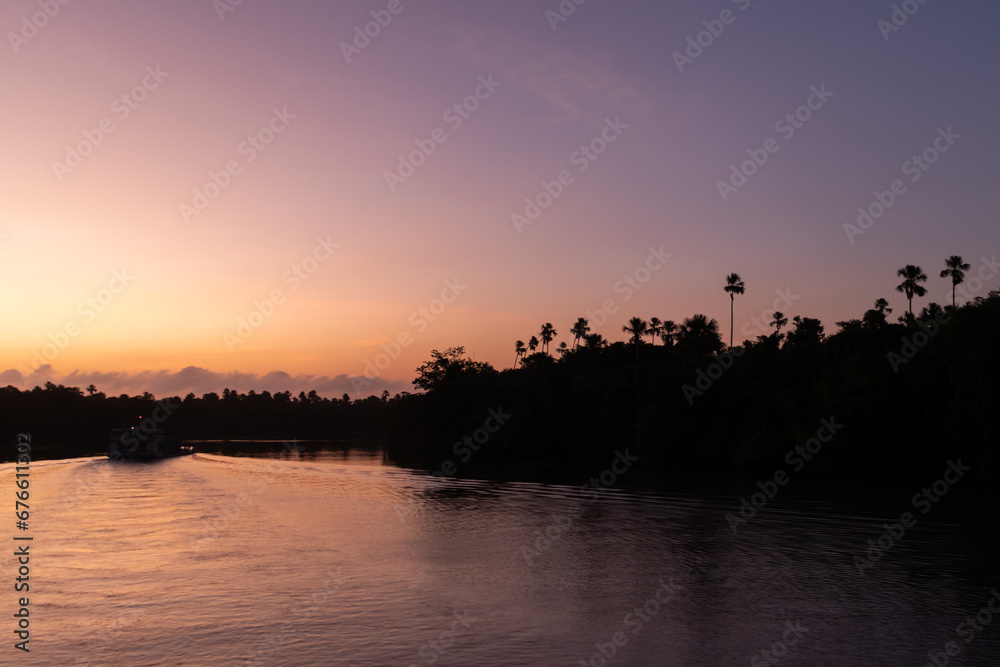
{"points": [[344, 559]]}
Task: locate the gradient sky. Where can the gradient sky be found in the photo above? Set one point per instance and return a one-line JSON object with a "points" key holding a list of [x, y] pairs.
{"points": [[323, 177]]}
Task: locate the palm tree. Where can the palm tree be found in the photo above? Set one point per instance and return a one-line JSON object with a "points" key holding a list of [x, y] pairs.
{"points": [[91, 390], [779, 320], [579, 330], [668, 333], [734, 286], [519, 351], [911, 275], [532, 344], [700, 335], [882, 306], [654, 329], [699, 325], [956, 270], [563, 349], [548, 333], [595, 340], [637, 328]]}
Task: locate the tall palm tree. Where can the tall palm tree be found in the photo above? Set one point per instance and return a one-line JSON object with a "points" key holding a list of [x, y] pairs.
{"points": [[533, 344], [519, 351], [548, 332], [912, 275], [654, 329], [579, 330], [637, 328], [779, 321], [668, 333], [734, 286], [956, 270]]}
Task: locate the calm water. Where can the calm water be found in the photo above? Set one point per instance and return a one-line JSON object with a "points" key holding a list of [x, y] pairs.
{"points": [[215, 560]]}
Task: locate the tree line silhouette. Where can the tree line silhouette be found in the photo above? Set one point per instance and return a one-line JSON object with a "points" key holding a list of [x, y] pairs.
{"points": [[64, 421], [911, 393], [700, 328]]}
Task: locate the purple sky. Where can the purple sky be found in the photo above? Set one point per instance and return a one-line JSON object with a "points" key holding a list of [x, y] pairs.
{"points": [[310, 261]]}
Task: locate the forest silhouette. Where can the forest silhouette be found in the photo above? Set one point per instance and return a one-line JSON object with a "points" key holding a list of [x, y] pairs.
{"points": [[910, 394]]}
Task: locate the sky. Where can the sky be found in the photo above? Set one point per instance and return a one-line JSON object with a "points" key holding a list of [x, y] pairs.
{"points": [[199, 194]]}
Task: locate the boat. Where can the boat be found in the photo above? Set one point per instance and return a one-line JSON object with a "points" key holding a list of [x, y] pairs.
{"points": [[138, 443]]}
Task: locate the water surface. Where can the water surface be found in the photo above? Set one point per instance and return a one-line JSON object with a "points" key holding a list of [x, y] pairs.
{"points": [[341, 559]]}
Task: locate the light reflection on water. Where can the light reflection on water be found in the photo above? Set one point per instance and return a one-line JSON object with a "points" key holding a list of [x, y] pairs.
{"points": [[339, 560]]}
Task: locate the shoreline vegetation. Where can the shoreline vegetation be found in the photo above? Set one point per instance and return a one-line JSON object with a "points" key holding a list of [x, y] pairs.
{"points": [[875, 403]]}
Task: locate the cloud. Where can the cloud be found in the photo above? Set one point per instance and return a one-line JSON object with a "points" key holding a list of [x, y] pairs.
{"points": [[579, 86], [194, 379]]}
